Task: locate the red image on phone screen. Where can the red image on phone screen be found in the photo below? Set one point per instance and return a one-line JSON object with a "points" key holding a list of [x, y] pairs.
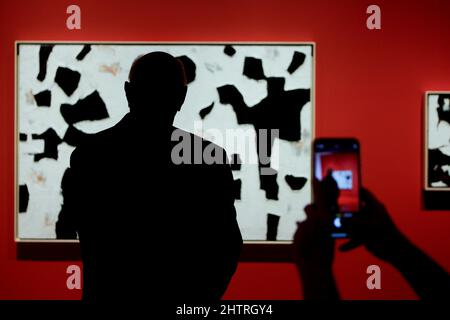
{"points": [[342, 168]]}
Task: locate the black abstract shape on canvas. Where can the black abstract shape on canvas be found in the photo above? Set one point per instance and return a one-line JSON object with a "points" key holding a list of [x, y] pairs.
{"points": [[253, 68], [44, 54], [235, 162], [297, 60], [67, 80], [24, 198], [436, 161], [75, 137], [237, 185], [295, 183], [190, 68], [205, 111], [268, 183], [443, 111], [23, 137], [272, 227], [43, 98], [229, 50], [279, 110], [90, 108], [51, 142], [86, 49]]}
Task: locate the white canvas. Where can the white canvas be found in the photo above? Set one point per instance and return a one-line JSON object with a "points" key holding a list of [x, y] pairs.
{"points": [[106, 69]]}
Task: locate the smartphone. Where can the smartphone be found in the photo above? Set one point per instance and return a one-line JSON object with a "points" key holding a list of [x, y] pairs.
{"points": [[336, 164]]}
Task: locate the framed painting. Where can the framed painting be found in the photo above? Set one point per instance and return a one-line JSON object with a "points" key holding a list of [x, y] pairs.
{"points": [[436, 182], [53, 77], [437, 141]]}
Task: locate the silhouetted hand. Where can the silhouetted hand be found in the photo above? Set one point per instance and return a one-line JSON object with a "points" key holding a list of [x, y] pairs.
{"points": [[314, 246], [314, 249], [374, 228]]}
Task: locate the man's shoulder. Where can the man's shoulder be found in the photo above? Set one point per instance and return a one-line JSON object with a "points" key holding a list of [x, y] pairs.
{"points": [[94, 141], [98, 142], [96, 146]]}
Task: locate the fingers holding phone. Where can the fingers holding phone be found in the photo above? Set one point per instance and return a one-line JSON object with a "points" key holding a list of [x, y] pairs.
{"points": [[374, 228]]}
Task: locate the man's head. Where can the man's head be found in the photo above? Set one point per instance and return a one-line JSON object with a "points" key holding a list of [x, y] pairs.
{"points": [[156, 87]]}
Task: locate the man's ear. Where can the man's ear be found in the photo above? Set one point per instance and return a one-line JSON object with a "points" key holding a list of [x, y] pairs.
{"points": [[182, 97], [128, 92]]}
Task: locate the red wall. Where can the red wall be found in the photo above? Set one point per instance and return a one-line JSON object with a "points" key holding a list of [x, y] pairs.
{"points": [[369, 84]]}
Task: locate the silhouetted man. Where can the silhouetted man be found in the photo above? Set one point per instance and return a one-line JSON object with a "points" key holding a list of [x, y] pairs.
{"points": [[149, 228], [332, 196]]}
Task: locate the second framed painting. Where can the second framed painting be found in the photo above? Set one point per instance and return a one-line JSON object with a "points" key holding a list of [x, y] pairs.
{"points": [[437, 141]]}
